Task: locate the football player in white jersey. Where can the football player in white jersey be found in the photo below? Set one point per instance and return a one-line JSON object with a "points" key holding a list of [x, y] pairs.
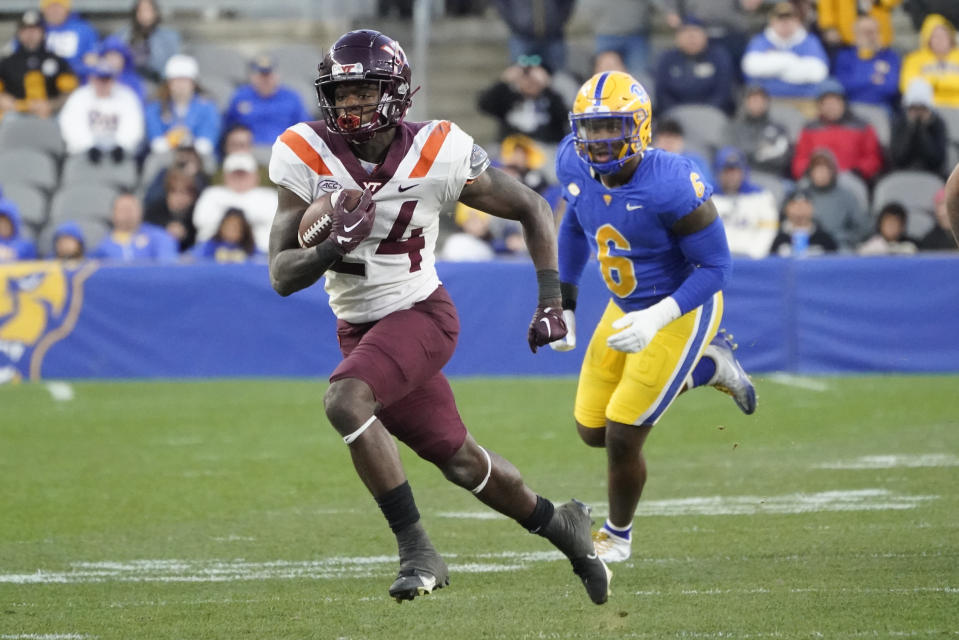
{"points": [[396, 325]]}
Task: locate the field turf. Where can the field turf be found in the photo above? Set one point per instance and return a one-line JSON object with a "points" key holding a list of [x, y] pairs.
{"points": [[229, 510]]}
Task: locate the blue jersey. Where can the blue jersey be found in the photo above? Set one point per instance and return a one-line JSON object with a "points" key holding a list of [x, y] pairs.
{"points": [[628, 227]]}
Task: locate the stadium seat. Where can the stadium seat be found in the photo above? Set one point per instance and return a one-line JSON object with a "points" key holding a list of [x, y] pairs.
{"points": [[789, 117], [78, 169], [915, 191], [857, 186], [30, 200], [702, 123], [32, 133], [218, 60], [878, 117], [82, 202], [93, 232], [951, 117], [219, 89], [152, 165], [296, 62], [28, 166], [775, 184]]}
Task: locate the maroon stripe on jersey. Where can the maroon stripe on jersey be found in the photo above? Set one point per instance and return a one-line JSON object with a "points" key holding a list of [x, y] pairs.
{"points": [[405, 132]]}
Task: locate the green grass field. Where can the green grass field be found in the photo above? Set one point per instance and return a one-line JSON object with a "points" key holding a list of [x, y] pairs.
{"points": [[229, 509]]}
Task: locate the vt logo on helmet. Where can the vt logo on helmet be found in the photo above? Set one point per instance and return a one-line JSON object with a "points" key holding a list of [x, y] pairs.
{"points": [[379, 73], [611, 121]]}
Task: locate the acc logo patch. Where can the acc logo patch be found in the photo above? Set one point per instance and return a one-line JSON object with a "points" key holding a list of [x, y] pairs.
{"points": [[329, 185], [39, 305]]}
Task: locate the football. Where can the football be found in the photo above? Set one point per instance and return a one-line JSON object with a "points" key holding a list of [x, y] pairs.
{"points": [[317, 220]]}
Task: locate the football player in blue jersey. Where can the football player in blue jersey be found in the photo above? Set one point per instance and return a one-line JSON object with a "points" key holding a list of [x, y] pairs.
{"points": [[647, 216]]}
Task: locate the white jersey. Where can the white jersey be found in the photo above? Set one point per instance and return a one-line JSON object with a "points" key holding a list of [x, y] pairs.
{"points": [[425, 168]]}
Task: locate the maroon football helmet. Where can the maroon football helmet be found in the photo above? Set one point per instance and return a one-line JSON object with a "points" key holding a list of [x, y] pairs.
{"points": [[365, 56]]}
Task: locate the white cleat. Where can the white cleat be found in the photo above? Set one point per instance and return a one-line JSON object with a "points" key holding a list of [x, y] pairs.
{"points": [[730, 376], [610, 547]]}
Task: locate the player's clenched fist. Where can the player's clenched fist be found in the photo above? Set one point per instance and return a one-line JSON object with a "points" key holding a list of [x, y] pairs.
{"points": [[547, 326], [352, 225]]}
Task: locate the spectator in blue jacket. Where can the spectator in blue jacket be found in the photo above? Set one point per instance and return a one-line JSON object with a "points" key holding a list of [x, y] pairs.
{"points": [[786, 60], [695, 71], [232, 242], [152, 44], [869, 71], [68, 35], [68, 242], [13, 245], [131, 238], [263, 105], [115, 53], [668, 135], [181, 116]]}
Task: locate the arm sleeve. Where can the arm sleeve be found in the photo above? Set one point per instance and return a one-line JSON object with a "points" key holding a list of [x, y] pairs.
{"points": [[708, 250], [573, 248]]}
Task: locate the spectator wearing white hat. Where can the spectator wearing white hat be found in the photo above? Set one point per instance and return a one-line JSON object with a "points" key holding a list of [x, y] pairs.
{"points": [[180, 115], [102, 117], [240, 190], [919, 134]]}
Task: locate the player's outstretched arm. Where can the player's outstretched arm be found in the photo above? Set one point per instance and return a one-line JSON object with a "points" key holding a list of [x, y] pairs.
{"points": [[293, 268], [952, 202], [500, 195]]}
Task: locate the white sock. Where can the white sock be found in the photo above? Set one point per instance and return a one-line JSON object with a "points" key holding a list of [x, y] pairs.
{"points": [[620, 532]]}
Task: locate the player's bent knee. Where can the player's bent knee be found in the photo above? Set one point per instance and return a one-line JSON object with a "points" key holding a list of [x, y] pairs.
{"points": [[348, 404], [594, 437], [468, 467]]}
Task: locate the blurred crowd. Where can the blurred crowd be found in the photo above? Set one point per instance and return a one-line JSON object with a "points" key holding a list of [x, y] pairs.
{"points": [[817, 132]]}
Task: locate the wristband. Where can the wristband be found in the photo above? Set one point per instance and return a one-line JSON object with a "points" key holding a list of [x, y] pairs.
{"points": [[569, 292], [548, 281]]}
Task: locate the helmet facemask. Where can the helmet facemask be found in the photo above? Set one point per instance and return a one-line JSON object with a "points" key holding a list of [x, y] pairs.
{"points": [[607, 140], [360, 122]]}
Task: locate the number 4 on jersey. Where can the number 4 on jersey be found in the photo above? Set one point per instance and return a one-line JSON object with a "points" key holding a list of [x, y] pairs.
{"points": [[394, 244]]}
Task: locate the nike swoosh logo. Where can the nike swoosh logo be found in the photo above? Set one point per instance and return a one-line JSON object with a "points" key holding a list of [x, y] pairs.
{"points": [[548, 332], [401, 188], [352, 226], [633, 207], [592, 556], [341, 239]]}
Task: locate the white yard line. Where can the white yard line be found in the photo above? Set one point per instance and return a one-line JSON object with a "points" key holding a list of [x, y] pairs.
{"points": [[799, 382], [894, 461], [856, 500], [61, 392]]}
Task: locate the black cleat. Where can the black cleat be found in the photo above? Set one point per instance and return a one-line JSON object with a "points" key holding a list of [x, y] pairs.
{"points": [[422, 569], [570, 530], [418, 582]]}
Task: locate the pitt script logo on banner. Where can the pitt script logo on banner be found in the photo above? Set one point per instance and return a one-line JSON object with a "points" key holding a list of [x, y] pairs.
{"points": [[39, 305]]}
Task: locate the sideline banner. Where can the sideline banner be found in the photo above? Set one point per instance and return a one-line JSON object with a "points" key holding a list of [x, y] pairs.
{"points": [[97, 320]]}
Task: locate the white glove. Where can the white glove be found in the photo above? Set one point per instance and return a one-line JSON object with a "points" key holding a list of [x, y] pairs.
{"points": [[639, 327], [567, 343]]}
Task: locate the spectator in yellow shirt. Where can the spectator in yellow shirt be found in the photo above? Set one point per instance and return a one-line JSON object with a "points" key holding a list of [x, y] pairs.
{"points": [[837, 19], [936, 60]]}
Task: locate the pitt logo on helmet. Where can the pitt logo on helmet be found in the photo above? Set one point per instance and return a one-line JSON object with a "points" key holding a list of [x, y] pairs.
{"points": [[611, 120]]}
